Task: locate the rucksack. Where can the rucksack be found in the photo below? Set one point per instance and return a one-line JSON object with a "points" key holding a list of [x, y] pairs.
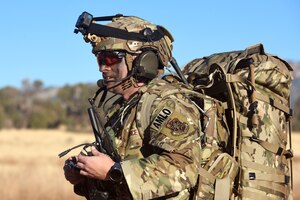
{"points": [[254, 90]]}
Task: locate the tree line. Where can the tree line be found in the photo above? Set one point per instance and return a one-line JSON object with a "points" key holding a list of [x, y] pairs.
{"points": [[36, 107]]}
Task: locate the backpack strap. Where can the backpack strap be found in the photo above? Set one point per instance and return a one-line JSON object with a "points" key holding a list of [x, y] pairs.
{"points": [[144, 106]]}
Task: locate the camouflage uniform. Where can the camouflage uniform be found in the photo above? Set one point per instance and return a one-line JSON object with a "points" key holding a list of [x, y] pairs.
{"points": [[162, 160]]}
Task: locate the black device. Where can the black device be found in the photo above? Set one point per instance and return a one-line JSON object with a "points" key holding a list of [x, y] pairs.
{"points": [[72, 164], [83, 22]]}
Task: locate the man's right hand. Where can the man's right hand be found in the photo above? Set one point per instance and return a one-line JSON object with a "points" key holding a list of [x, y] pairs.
{"points": [[72, 174]]}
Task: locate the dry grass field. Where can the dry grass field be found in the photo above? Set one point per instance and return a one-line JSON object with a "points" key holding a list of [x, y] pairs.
{"points": [[31, 169]]}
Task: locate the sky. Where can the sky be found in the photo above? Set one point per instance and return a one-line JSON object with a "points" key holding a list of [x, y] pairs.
{"points": [[38, 43]]}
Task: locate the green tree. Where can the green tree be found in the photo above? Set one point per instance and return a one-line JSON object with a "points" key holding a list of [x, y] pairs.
{"points": [[75, 101], [26, 108], [46, 114], [38, 85], [12, 104]]}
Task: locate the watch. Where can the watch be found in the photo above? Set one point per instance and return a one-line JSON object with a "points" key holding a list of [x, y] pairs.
{"points": [[115, 173]]}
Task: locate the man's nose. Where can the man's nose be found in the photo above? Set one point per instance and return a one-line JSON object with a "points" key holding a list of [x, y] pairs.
{"points": [[104, 68]]}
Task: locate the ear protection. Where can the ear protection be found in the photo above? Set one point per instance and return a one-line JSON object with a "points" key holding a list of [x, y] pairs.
{"points": [[146, 65]]}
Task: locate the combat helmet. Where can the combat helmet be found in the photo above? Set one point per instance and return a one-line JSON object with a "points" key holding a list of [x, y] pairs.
{"points": [[130, 34]]}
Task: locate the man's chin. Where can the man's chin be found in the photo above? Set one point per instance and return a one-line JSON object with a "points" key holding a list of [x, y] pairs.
{"points": [[111, 84], [114, 88]]}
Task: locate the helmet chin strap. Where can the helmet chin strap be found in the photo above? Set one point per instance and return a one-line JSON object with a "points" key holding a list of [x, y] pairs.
{"points": [[125, 83], [128, 83]]}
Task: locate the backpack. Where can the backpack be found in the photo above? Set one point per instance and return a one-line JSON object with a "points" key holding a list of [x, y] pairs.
{"points": [[254, 90]]}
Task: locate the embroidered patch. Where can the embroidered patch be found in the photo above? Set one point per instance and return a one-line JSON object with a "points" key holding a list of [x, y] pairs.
{"points": [[177, 127], [161, 118]]}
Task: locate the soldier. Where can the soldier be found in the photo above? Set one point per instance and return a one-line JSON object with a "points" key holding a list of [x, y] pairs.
{"points": [[158, 140]]}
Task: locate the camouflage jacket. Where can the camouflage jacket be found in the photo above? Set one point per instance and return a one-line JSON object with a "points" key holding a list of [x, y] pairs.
{"points": [[162, 160]]}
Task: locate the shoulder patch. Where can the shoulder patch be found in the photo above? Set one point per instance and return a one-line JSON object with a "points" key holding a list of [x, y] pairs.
{"points": [[177, 127], [161, 118]]}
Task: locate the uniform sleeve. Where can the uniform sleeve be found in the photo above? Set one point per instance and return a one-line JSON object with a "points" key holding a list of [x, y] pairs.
{"points": [[175, 130]]}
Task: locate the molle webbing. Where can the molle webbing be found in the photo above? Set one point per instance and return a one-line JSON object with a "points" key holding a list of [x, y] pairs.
{"points": [[275, 100]]}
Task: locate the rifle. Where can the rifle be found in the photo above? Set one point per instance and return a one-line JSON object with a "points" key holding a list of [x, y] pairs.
{"points": [[102, 142]]}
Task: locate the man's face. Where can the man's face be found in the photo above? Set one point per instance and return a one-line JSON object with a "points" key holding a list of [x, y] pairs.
{"points": [[114, 70]]}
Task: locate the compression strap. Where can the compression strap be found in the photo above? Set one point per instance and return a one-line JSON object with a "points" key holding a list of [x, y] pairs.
{"points": [[107, 31]]}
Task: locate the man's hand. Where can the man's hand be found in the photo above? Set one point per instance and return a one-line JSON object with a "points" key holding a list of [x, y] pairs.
{"points": [[71, 174], [95, 166]]}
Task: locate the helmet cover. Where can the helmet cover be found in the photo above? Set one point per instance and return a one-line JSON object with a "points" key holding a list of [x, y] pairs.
{"points": [[163, 46]]}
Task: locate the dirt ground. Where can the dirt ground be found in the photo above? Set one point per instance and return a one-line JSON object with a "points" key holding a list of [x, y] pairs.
{"points": [[31, 169]]}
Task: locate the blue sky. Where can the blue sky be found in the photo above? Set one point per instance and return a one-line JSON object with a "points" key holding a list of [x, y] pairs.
{"points": [[38, 43]]}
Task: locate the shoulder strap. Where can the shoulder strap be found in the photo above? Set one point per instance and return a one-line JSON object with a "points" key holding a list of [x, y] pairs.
{"points": [[144, 106]]}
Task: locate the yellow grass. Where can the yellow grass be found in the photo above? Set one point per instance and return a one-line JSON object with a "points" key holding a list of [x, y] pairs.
{"points": [[31, 169]]}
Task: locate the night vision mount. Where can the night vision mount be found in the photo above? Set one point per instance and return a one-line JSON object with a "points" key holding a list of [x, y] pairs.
{"points": [[86, 24]]}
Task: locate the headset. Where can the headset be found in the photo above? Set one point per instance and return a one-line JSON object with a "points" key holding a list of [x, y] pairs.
{"points": [[147, 63]]}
